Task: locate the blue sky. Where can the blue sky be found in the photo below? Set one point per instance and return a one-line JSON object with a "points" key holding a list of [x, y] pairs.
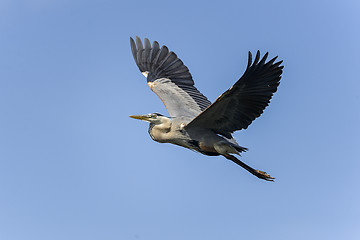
{"points": [[73, 165]]}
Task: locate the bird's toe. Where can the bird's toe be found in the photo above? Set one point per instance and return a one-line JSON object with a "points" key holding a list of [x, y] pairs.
{"points": [[264, 175]]}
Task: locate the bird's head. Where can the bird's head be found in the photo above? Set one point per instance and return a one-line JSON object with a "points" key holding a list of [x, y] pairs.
{"points": [[154, 118]]}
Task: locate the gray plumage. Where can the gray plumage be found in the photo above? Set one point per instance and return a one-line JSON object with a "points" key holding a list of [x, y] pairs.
{"points": [[169, 78], [195, 123]]}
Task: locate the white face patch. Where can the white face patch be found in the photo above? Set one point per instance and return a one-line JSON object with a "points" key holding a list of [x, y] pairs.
{"points": [[146, 73]]}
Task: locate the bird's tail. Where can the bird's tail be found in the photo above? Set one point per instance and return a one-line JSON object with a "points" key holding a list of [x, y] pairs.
{"points": [[240, 148]]}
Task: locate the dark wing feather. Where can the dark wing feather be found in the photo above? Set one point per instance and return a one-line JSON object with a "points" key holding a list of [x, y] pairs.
{"points": [[169, 78], [236, 108]]}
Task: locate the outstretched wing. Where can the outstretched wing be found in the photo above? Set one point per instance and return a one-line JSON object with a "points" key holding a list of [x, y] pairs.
{"points": [[236, 108], [169, 78]]}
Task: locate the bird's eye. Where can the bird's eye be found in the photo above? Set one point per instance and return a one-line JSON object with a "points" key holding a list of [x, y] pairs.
{"points": [[154, 116]]}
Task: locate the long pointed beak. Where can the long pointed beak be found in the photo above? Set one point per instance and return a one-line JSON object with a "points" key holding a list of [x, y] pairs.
{"points": [[140, 117]]}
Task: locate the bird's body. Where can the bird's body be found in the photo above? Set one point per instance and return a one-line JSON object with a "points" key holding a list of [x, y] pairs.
{"points": [[164, 130], [195, 123]]}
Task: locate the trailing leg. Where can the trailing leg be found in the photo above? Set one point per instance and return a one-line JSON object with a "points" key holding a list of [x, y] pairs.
{"points": [[258, 173]]}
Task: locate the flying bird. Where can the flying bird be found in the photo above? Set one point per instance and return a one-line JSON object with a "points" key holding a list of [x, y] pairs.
{"points": [[196, 123]]}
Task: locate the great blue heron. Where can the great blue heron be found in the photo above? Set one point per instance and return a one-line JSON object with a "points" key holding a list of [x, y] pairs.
{"points": [[194, 122]]}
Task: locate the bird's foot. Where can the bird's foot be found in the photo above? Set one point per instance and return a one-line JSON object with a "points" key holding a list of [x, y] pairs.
{"points": [[263, 175]]}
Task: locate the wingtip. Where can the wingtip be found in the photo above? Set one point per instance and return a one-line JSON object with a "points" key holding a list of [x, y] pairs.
{"points": [[139, 43], [249, 60], [257, 57], [132, 42], [147, 43], [266, 55], [165, 48], [133, 49], [156, 45], [278, 65], [264, 58]]}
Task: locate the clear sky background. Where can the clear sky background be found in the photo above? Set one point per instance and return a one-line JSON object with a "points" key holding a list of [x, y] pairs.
{"points": [[74, 166]]}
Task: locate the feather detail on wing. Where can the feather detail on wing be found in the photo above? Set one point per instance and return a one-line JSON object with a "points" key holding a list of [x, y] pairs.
{"points": [[236, 108], [169, 78]]}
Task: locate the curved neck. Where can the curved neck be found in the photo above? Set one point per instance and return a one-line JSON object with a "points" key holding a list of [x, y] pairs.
{"points": [[158, 131]]}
